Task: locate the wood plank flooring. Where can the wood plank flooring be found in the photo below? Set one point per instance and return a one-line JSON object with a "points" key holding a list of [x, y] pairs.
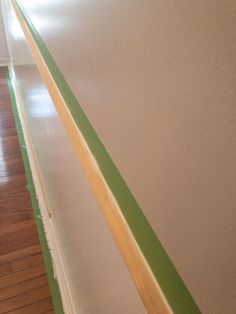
{"points": [[23, 281]]}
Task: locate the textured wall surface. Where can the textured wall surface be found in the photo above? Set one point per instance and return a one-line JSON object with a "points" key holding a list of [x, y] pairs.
{"points": [[157, 81]]}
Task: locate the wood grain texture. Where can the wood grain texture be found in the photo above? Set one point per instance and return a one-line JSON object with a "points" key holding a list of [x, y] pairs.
{"points": [[23, 280]]}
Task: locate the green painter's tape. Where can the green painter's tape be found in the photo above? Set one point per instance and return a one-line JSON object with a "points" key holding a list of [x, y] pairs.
{"points": [[164, 271], [56, 297]]}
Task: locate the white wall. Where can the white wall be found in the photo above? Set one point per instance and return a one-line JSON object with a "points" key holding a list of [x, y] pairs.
{"points": [[3, 44]]}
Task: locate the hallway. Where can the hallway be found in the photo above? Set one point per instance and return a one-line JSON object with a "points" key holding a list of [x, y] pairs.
{"points": [[23, 279]]}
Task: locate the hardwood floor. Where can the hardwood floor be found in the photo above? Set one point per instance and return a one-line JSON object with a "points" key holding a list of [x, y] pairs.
{"points": [[23, 281]]}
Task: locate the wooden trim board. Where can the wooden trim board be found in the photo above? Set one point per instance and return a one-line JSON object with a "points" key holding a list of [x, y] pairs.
{"points": [[81, 132], [146, 284]]}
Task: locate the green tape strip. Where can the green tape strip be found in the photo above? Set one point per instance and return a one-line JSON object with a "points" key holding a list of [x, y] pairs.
{"points": [[56, 297], [163, 269]]}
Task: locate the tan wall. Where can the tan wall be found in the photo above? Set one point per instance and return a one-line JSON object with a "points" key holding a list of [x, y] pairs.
{"points": [[157, 80]]}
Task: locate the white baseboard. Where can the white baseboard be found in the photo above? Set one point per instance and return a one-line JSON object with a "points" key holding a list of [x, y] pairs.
{"points": [[58, 265]]}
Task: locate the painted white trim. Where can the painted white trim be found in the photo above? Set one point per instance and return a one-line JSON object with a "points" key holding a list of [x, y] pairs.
{"points": [[57, 259]]}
